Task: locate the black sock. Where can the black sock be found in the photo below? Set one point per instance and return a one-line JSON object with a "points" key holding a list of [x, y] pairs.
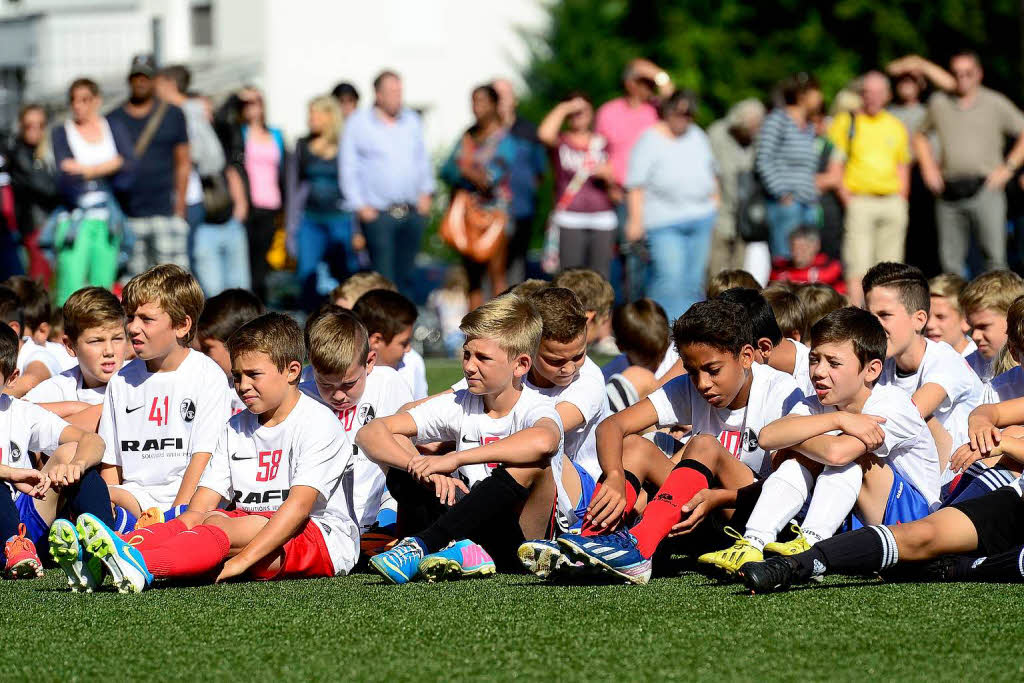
{"points": [[492, 497], [91, 495], [1005, 567], [418, 506], [9, 517], [862, 551]]}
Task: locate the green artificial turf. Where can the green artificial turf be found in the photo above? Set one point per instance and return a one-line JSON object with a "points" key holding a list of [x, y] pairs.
{"points": [[511, 627]]}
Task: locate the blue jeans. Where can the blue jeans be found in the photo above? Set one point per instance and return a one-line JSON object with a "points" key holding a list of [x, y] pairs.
{"points": [[220, 257], [784, 219], [679, 257], [320, 236], [393, 244]]}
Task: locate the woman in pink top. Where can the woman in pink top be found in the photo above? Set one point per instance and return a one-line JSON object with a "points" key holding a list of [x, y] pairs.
{"points": [[263, 157]]}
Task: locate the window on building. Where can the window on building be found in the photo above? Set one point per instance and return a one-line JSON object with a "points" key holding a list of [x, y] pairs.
{"points": [[202, 24]]}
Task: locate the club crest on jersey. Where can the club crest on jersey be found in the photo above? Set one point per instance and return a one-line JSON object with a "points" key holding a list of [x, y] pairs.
{"points": [[188, 410], [751, 440], [15, 452], [366, 413]]}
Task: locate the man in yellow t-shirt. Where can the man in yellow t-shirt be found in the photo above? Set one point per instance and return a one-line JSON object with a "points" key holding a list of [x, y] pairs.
{"points": [[876, 181]]}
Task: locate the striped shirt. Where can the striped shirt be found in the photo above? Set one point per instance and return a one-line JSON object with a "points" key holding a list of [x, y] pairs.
{"points": [[787, 158]]}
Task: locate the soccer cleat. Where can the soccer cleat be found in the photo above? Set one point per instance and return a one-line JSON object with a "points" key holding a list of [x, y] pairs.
{"points": [[794, 547], [123, 561], [400, 564], [546, 559], [614, 553], [771, 575], [84, 572], [463, 559], [149, 517], [734, 557], [22, 558]]}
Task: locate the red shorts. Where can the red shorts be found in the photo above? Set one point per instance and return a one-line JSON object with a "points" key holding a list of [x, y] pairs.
{"points": [[305, 553]]}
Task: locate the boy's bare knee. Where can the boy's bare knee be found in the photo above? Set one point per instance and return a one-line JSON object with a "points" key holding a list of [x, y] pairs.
{"points": [[916, 539]]}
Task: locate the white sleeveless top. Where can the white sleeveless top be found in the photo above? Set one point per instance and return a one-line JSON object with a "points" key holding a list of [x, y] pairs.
{"points": [[91, 153]]}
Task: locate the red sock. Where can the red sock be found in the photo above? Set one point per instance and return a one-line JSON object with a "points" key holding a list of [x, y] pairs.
{"points": [[190, 553], [631, 493], [662, 513], [157, 534]]}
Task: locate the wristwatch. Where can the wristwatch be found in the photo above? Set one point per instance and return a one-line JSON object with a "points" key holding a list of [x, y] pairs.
{"points": [[661, 79]]}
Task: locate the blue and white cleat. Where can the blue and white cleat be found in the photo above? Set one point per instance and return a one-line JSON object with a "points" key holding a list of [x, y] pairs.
{"points": [[463, 559], [548, 560], [84, 571], [614, 554], [400, 564], [125, 564]]}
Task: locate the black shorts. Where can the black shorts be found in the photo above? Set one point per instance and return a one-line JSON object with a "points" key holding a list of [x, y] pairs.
{"points": [[998, 519]]}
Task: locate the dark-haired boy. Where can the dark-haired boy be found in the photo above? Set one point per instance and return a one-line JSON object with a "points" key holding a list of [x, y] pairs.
{"points": [[789, 311], [937, 379], [389, 318], [163, 411], [846, 419], [34, 363], [727, 397], [648, 356], [222, 315], [284, 464], [38, 311]]}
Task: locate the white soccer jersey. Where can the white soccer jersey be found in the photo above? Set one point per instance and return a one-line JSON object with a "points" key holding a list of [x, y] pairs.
{"points": [[60, 353], [941, 365], [237, 405], [26, 427], [461, 417], [414, 372], [67, 386], [153, 423], [772, 394], [588, 395], [384, 394], [1005, 387], [908, 448], [802, 367], [30, 352], [982, 367], [255, 467]]}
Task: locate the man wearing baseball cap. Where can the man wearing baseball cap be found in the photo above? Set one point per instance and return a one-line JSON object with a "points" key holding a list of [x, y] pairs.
{"points": [[154, 204]]}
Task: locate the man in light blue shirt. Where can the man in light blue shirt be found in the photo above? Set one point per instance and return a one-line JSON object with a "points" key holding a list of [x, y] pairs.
{"points": [[387, 179]]}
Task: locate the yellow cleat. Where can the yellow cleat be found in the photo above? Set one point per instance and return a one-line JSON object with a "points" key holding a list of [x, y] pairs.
{"points": [[794, 547], [149, 518], [731, 559]]}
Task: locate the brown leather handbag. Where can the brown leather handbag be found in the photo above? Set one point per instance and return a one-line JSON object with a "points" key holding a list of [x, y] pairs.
{"points": [[475, 232]]}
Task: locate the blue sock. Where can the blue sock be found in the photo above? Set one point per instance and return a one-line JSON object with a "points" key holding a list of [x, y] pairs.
{"points": [[9, 517], [92, 495], [174, 512], [124, 521]]}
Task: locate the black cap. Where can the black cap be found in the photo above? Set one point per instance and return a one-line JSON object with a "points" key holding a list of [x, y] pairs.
{"points": [[142, 65]]}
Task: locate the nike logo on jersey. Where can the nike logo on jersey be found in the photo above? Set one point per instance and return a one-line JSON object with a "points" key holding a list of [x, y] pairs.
{"points": [[132, 410], [465, 440], [235, 456]]}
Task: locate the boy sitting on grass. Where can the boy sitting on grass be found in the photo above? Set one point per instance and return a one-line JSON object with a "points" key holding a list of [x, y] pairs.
{"points": [[946, 321], [854, 443], [985, 302], [222, 315], [284, 464], [506, 438], [648, 356]]}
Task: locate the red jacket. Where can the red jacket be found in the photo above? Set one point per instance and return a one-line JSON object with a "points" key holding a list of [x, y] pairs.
{"points": [[824, 270]]}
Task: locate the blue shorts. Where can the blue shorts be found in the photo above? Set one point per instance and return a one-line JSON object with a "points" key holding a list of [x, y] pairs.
{"points": [[905, 504], [35, 528], [587, 486]]}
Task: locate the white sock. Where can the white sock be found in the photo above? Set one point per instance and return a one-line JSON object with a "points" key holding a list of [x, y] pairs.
{"points": [[782, 496], [835, 494]]}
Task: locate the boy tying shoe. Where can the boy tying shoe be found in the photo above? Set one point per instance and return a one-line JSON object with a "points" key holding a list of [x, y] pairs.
{"points": [[727, 397], [221, 316], [985, 301], [946, 321], [28, 504], [94, 335], [285, 465], [942, 386], [347, 378], [163, 411], [846, 419], [505, 437]]}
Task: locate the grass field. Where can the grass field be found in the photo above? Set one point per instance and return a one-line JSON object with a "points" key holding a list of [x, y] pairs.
{"points": [[511, 627]]}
